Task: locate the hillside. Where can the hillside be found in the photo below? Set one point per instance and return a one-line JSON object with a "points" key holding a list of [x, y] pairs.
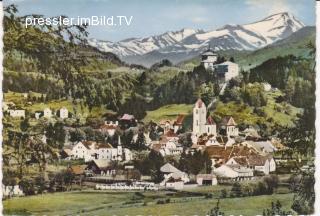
{"points": [[295, 45]]}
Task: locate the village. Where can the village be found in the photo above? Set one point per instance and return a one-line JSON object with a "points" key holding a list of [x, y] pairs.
{"points": [[232, 155]]}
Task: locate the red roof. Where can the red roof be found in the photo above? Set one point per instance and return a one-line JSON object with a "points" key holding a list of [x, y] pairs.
{"points": [[171, 133], [180, 119], [228, 121], [127, 117], [199, 103], [108, 127], [210, 121]]}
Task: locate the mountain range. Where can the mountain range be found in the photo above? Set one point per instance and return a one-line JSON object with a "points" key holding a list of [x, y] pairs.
{"points": [[180, 45]]}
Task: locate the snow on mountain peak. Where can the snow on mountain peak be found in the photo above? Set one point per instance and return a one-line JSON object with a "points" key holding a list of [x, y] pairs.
{"points": [[241, 37]]}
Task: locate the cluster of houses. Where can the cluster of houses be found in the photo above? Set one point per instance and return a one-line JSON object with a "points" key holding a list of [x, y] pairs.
{"points": [[89, 150], [235, 155], [14, 112]]}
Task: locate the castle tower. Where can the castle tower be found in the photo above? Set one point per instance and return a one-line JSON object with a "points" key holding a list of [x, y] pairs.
{"points": [[209, 58], [199, 118]]}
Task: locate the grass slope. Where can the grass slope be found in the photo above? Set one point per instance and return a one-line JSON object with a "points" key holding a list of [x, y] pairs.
{"points": [[129, 203], [169, 112]]}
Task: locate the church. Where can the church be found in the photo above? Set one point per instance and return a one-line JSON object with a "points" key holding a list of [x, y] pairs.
{"points": [[202, 124], [224, 71], [206, 125]]}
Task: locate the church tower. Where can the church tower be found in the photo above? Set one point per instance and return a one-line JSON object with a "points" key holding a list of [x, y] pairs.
{"points": [[199, 118]]}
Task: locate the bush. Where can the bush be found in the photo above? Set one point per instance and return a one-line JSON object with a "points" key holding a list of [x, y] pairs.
{"points": [[236, 190], [271, 182], [223, 193]]}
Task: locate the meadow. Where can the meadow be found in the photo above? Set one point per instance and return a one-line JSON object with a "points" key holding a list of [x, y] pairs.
{"points": [[137, 203]]}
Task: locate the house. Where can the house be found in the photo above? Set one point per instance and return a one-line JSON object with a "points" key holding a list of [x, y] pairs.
{"points": [[221, 154], [202, 124], [7, 105], [206, 179], [226, 71], [176, 184], [66, 153], [11, 191], [37, 114], [167, 146], [63, 113], [146, 138], [109, 127], [166, 125], [228, 127], [78, 170], [177, 125], [251, 134], [209, 59], [89, 151], [225, 140], [169, 171], [17, 113], [264, 164], [47, 113], [127, 121], [231, 172], [263, 147], [101, 167]]}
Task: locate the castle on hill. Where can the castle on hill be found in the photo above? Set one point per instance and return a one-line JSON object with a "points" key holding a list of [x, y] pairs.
{"points": [[224, 71]]}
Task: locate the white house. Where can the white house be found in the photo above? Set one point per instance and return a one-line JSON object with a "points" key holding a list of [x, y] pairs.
{"points": [[89, 151], [17, 113], [170, 147], [63, 113], [37, 115], [263, 164], [207, 179], [209, 59], [233, 172], [227, 70], [170, 172], [176, 184], [47, 113], [202, 124], [256, 162], [10, 191], [110, 127], [229, 126], [263, 147]]}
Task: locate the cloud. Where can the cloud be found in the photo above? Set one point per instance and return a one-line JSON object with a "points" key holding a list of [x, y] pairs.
{"points": [[270, 6], [199, 19]]}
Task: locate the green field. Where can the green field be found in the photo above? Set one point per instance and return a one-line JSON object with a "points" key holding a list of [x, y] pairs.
{"points": [[130, 203], [169, 112]]}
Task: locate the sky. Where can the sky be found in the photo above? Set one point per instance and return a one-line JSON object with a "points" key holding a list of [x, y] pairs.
{"points": [[152, 17]]}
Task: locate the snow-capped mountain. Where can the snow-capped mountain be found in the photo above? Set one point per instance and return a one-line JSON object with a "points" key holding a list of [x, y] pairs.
{"points": [[188, 42], [140, 46]]}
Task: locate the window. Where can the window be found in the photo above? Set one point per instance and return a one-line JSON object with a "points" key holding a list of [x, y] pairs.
{"points": [[197, 122], [196, 111]]}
